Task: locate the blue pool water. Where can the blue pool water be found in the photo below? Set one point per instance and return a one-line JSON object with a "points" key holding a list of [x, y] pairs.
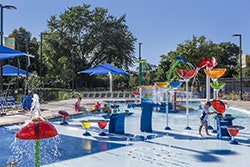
{"points": [[70, 144]]}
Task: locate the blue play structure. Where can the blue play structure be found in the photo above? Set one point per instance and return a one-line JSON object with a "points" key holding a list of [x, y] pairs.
{"points": [[26, 102], [222, 124], [116, 124]]}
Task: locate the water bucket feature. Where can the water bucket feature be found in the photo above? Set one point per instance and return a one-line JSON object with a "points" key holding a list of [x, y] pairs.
{"points": [[186, 74]]}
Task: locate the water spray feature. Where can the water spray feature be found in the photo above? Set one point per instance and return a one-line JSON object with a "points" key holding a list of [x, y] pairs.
{"points": [[163, 86], [64, 114], [186, 75], [36, 128]]}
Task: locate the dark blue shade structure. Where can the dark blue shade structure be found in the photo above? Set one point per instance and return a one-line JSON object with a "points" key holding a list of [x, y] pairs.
{"points": [[9, 70], [104, 69], [7, 53]]}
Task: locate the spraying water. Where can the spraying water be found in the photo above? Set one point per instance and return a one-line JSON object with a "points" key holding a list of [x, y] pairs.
{"points": [[35, 111]]}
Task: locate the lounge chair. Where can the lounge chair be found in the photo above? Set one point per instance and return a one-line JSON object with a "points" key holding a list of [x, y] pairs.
{"points": [[85, 95], [121, 95], [91, 95], [115, 95], [109, 94], [103, 94], [127, 95], [97, 95]]}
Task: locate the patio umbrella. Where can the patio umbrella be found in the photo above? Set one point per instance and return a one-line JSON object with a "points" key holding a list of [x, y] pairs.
{"points": [[9, 70], [104, 69]]}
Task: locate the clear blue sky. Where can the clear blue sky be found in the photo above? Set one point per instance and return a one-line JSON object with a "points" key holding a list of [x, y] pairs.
{"points": [[159, 24]]}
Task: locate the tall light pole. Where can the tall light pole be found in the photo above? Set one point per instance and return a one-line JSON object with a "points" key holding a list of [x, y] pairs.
{"points": [[1, 40], [240, 54], [140, 65]]}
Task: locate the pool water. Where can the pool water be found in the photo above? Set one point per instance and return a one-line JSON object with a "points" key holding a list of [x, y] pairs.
{"points": [[70, 144]]}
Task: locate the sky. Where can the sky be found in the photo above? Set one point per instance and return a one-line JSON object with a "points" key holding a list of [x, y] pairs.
{"points": [[160, 25]]}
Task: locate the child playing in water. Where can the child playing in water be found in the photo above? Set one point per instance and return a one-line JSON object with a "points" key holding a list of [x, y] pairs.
{"points": [[204, 117], [106, 109]]}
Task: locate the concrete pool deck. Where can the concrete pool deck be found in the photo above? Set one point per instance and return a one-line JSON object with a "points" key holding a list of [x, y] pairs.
{"points": [[14, 117]]}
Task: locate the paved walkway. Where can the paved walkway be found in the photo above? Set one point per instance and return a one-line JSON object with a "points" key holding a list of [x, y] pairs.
{"points": [[48, 110]]}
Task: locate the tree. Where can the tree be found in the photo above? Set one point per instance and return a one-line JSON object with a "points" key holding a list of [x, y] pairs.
{"points": [[193, 50], [25, 43], [81, 38], [228, 58], [21, 35]]}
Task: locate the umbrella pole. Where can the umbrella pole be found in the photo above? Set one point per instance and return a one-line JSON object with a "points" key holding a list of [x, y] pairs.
{"points": [[37, 153], [110, 82]]}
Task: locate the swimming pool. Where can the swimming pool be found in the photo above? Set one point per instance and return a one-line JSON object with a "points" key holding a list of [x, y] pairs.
{"points": [[70, 148]]}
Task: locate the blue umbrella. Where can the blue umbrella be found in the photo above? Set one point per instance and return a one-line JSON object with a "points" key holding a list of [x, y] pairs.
{"points": [[9, 70], [104, 69]]}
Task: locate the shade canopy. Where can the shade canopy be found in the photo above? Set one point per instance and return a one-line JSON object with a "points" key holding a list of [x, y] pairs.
{"points": [[9, 70], [7, 53], [104, 69]]}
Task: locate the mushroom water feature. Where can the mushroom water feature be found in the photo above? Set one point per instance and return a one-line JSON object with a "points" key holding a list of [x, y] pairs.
{"points": [[36, 128]]}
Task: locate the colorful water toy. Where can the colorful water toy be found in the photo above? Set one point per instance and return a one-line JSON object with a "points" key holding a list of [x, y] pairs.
{"points": [[86, 125], [215, 73], [64, 114], [163, 86], [102, 124], [187, 75], [35, 129], [219, 106], [233, 132], [174, 85], [209, 62]]}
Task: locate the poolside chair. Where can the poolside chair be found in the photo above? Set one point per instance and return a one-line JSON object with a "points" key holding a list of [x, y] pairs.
{"points": [[7, 103], [109, 95], [103, 94], [91, 95], [3, 106], [127, 95], [85, 95], [11, 103], [115, 95], [121, 95], [97, 95]]}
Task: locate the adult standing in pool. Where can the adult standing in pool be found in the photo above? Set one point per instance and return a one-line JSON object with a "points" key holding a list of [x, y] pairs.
{"points": [[204, 117]]}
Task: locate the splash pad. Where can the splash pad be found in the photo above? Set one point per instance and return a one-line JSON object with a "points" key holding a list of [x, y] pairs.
{"points": [[35, 129]]}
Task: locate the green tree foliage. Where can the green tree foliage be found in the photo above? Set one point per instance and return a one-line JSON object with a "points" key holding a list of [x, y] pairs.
{"points": [[82, 38], [25, 43], [228, 58], [23, 38], [246, 72], [195, 49]]}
